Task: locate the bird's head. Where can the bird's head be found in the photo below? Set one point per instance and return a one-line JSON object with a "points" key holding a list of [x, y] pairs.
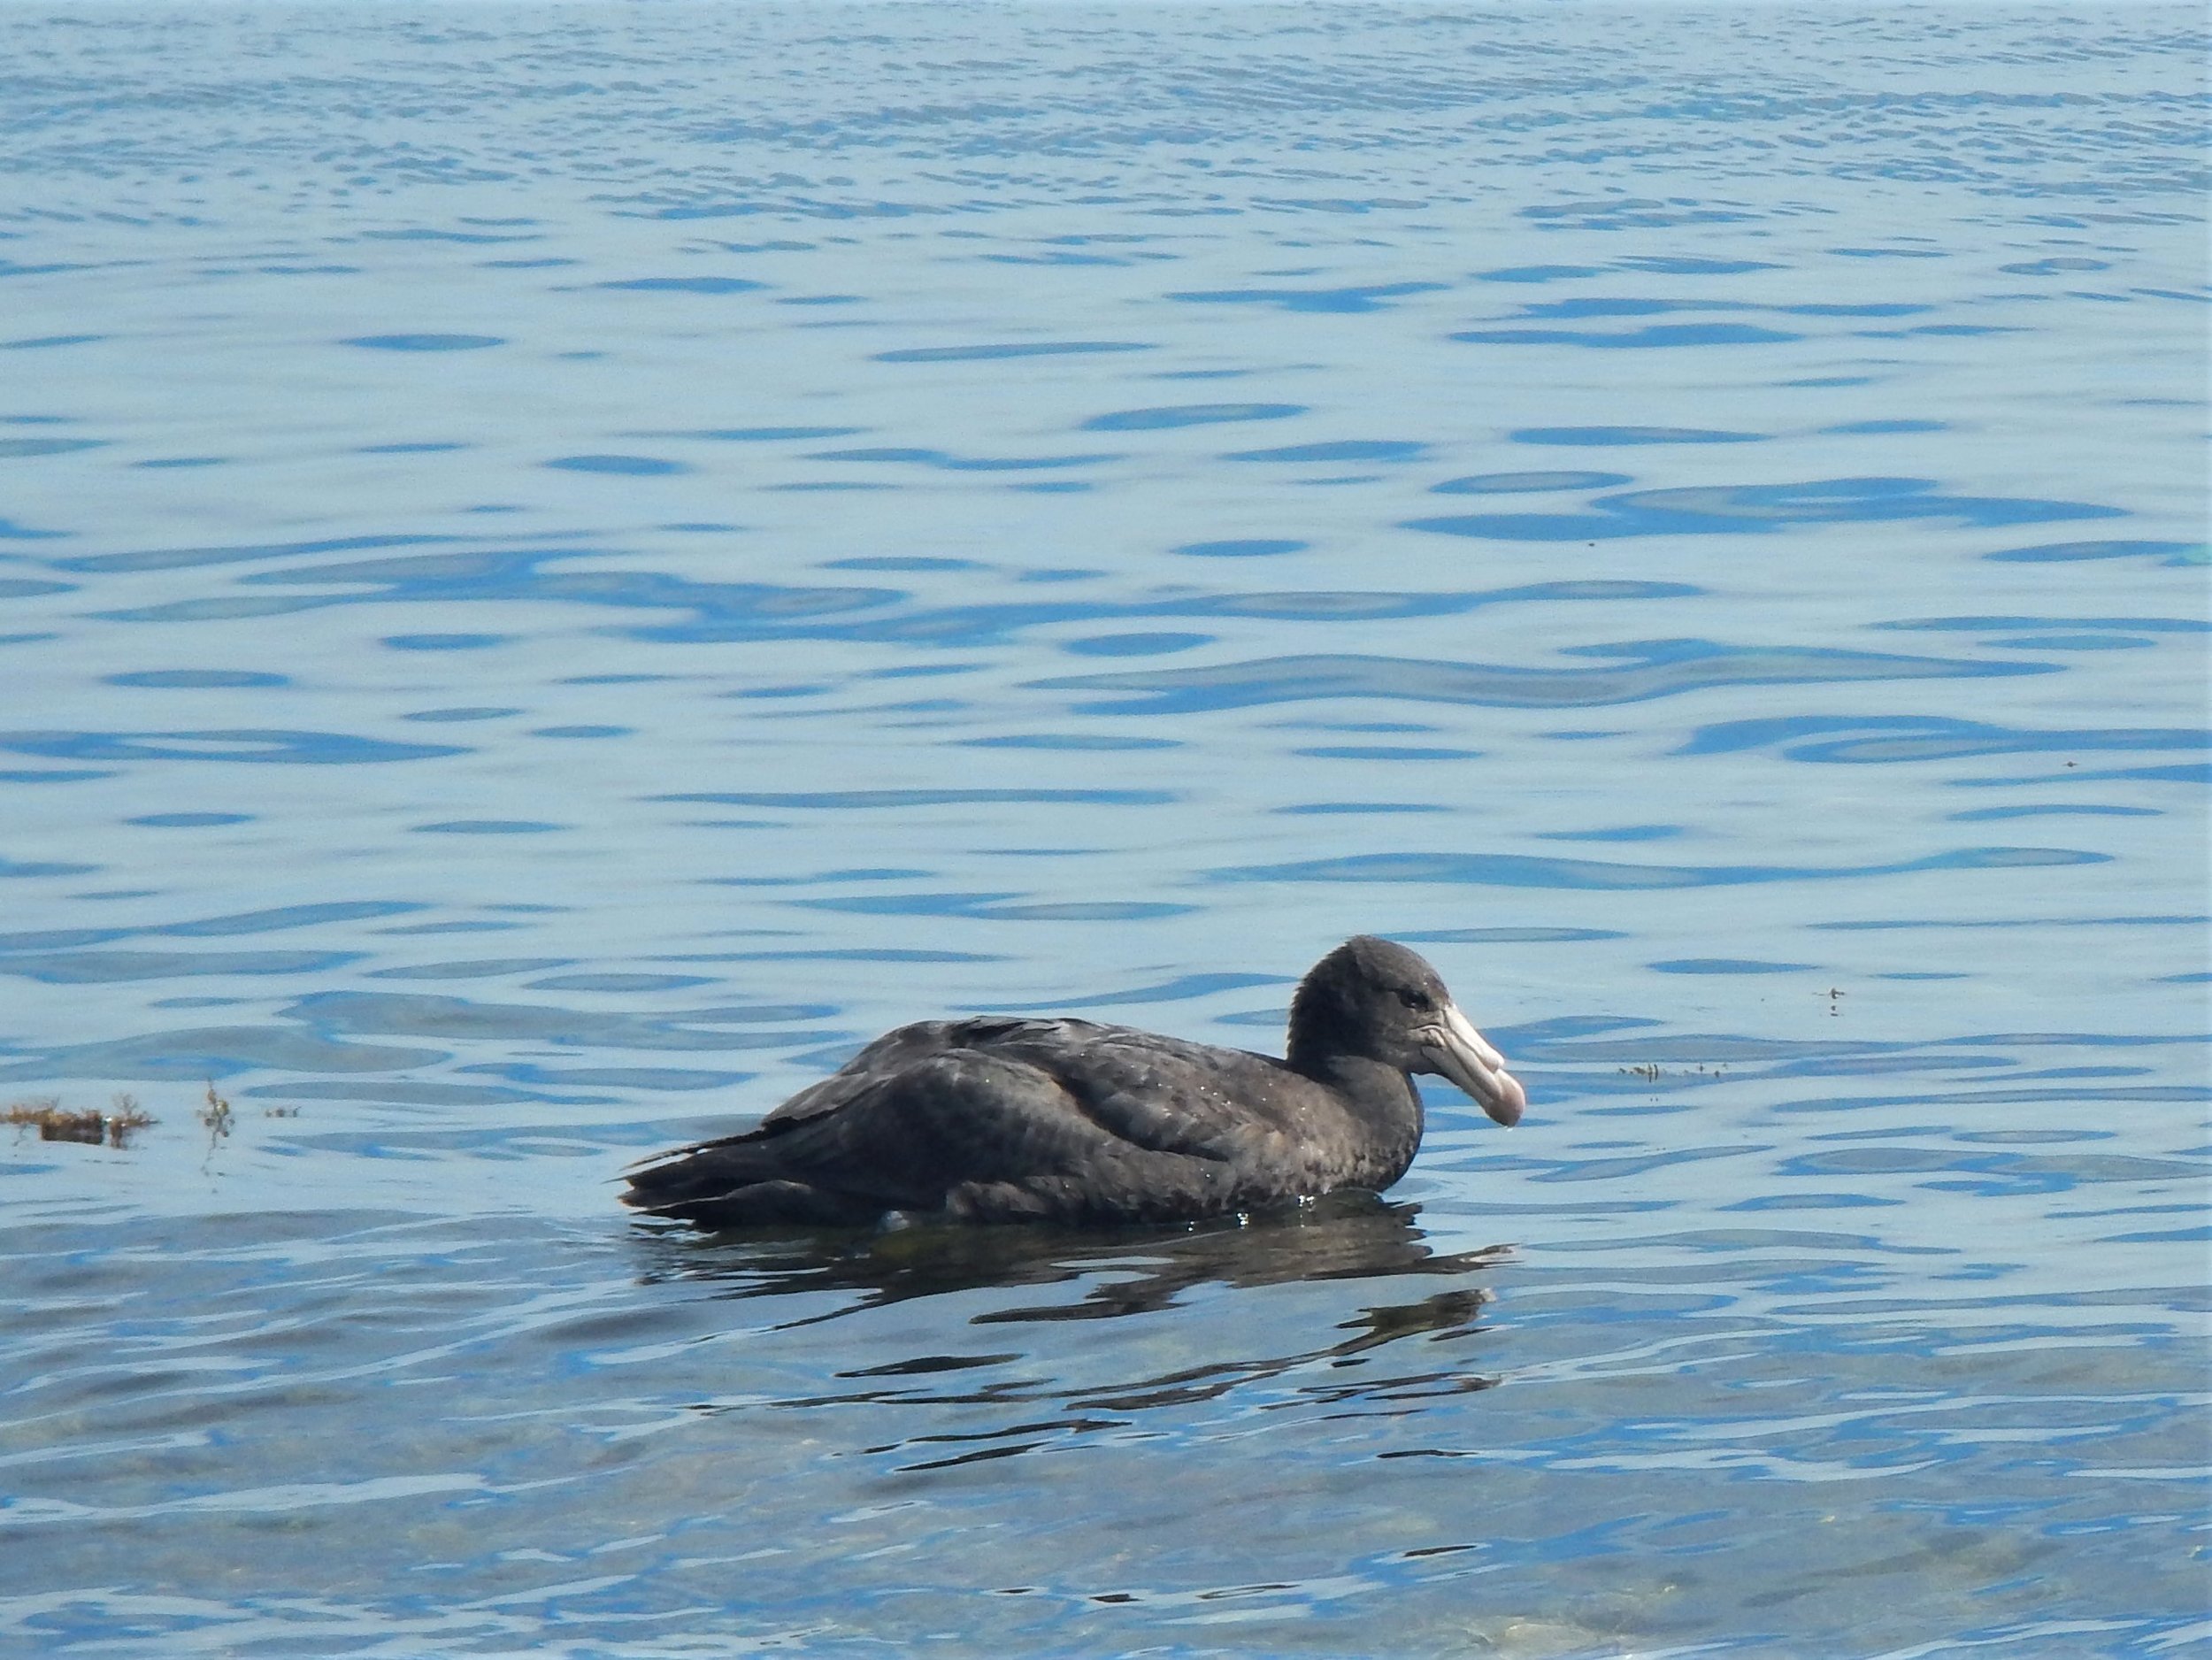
{"points": [[1376, 999]]}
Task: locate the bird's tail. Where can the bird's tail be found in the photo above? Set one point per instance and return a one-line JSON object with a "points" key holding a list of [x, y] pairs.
{"points": [[742, 1181]]}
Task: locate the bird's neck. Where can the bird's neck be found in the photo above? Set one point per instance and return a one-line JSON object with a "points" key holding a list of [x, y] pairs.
{"points": [[1381, 1097]]}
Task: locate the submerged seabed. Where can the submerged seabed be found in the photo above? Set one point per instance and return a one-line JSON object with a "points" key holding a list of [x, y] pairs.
{"points": [[562, 566]]}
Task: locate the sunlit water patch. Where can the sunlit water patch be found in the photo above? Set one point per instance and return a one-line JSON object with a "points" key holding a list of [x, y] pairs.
{"points": [[562, 566]]}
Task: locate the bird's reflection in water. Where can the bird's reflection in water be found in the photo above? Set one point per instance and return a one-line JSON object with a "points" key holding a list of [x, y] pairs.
{"points": [[1332, 1246]]}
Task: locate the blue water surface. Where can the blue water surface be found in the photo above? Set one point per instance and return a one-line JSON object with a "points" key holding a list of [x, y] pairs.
{"points": [[562, 566]]}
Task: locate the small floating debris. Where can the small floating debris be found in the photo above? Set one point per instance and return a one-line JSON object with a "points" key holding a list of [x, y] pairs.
{"points": [[216, 1115], [54, 1123]]}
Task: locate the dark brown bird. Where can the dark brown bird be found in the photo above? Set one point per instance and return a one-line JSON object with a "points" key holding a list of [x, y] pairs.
{"points": [[1010, 1120]]}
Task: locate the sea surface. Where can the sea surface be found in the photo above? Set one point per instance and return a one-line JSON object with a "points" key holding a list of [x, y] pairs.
{"points": [[562, 566]]}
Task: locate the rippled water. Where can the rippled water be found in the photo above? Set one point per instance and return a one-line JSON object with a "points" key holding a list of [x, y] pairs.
{"points": [[562, 566]]}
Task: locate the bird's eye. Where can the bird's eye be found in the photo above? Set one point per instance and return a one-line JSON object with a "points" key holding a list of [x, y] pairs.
{"points": [[1413, 997]]}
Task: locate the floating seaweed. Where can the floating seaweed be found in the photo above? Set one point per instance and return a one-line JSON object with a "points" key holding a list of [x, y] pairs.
{"points": [[55, 1123]]}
